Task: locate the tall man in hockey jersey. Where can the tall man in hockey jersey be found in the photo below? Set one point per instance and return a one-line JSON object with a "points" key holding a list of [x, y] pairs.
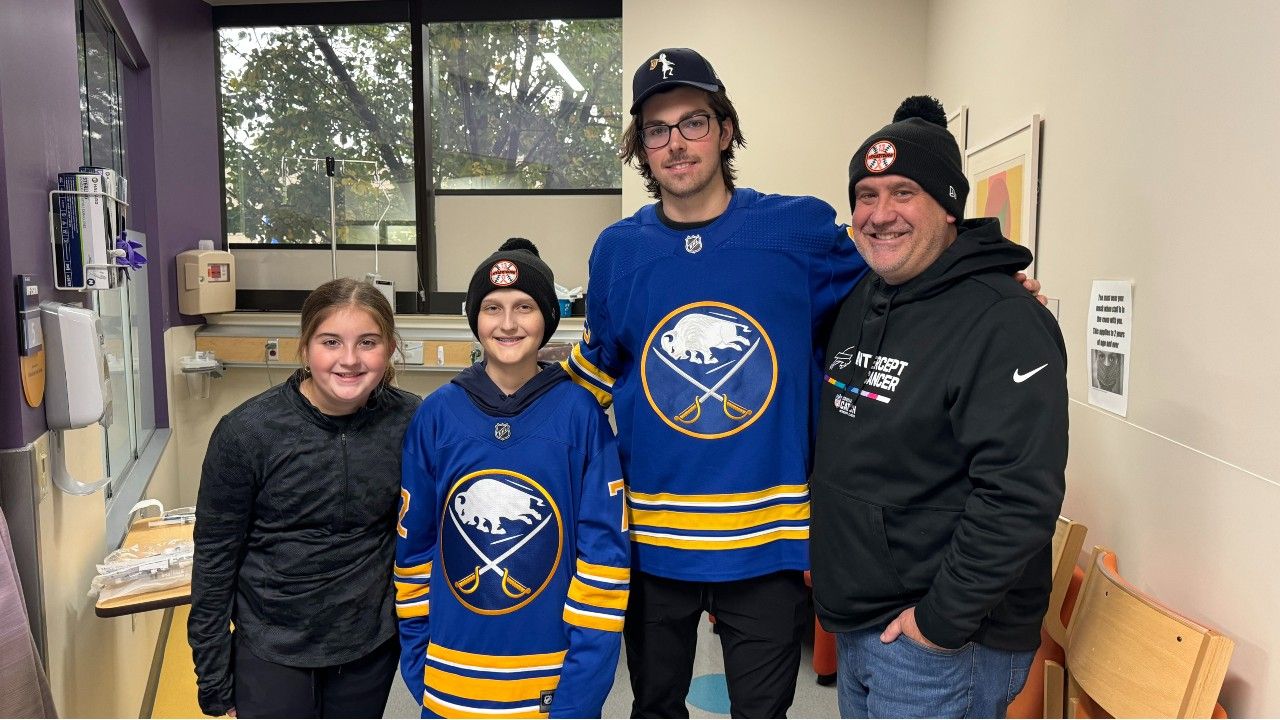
{"points": [[706, 322], [942, 444], [704, 315]]}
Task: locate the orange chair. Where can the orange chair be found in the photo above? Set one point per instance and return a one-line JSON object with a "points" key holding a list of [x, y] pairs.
{"points": [[1130, 656], [1042, 697]]}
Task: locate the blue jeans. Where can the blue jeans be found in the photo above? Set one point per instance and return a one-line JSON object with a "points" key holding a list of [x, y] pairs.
{"points": [[904, 679]]}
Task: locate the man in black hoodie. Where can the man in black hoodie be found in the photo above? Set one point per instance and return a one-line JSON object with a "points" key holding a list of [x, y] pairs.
{"points": [[942, 443]]}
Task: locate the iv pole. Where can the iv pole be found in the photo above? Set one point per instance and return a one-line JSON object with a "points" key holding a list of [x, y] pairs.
{"points": [[330, 171]]}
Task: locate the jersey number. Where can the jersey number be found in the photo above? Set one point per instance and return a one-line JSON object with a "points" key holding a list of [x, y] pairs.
{"points": [[620, 486]]}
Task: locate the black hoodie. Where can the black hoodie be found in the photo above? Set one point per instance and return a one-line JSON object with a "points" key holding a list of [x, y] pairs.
{"points": [[942, 447], [489, 397]]}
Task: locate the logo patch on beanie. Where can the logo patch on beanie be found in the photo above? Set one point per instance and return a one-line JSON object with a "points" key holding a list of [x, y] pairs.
{"points": [[880, 156], [504, 273]]}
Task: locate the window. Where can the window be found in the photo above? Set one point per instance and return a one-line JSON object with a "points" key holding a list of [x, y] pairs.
{"points": [[432, 127], [124, 310], [291, 97], [526, 104]]}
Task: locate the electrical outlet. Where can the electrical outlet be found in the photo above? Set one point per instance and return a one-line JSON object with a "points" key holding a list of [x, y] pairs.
{"points": [[273, 350]]}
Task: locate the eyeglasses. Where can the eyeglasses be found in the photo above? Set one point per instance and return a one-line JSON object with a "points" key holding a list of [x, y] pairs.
{"points": [[694, 127]]}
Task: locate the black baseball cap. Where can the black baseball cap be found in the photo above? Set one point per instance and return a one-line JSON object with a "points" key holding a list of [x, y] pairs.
{"points": [[669, 68]]}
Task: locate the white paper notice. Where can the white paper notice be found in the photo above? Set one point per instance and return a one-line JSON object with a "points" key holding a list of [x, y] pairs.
{"points": [[1110, 334]]}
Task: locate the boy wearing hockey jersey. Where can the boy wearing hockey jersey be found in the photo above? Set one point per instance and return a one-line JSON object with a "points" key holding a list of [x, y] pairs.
{"points": [[512, 565]]}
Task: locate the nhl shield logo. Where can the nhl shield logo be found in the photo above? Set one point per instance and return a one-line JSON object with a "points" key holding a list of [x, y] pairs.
{"points": [[502, 431], [501, 538], [693, 244]]}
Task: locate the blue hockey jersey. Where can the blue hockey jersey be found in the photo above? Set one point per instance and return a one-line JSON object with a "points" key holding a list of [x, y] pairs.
{"points": [[512, 564], [708, 342]]}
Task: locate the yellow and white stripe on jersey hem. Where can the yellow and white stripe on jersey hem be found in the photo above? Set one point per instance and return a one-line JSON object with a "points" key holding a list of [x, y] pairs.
{"points": [[723, 521]]}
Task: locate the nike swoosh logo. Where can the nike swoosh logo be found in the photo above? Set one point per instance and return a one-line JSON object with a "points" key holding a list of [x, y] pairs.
{"points": [[1022, 377]]}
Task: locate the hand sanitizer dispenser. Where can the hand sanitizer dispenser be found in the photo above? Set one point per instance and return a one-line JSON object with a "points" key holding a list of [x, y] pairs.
{"points": [[206, 280], [79, 387]]}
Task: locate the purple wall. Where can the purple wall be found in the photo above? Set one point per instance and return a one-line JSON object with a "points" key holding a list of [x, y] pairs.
{"points": [[40, 117], [172, 145]]}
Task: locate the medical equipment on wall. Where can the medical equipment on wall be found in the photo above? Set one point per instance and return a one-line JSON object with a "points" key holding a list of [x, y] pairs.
{"points": [[147, 566], [379, 183], [206, 280], [91, 249], [200, 370], [78, 393]]}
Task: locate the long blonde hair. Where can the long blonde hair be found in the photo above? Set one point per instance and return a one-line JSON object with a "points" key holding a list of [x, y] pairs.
{"points": [[344, 293]]}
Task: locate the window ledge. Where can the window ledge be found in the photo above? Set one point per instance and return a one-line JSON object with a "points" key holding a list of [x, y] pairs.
{"points": [[133, 486]]}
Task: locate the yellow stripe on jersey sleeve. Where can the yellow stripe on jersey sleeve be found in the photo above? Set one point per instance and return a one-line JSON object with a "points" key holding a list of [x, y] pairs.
{"points": [[598, 597], [422, 608], [542, 661], [777, 492], [602, 397], [740, 520], [597, 621], [604, 573], [406, 591], [577, 358], [499, 690], [417, 571]]}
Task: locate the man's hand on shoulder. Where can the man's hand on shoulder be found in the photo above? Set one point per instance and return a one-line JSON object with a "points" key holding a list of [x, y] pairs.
{"points": [[905, 624], [1032, 285]]}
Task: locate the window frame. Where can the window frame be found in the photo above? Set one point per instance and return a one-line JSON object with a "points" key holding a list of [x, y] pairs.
{"points": [[146, 440], [418, 14]]}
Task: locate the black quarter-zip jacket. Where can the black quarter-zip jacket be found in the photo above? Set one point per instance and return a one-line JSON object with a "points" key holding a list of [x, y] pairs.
{"points": [[941, 451], [295, 534]]}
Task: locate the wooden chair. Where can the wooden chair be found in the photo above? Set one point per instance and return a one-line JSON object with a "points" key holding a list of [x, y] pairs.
{"points": [[1042, 696], [1129, 656]]}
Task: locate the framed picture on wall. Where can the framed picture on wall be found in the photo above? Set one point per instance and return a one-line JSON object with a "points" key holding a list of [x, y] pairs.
{"points": [[1004, 183], [958, 124]]}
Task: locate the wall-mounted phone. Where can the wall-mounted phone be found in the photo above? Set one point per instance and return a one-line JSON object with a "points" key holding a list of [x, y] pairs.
{"points": [[79, 388]]}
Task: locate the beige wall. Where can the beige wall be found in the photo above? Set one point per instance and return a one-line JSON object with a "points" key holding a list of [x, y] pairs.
{"points": [[564, 227], [98, 667], [809, 79], [1159, 165]]}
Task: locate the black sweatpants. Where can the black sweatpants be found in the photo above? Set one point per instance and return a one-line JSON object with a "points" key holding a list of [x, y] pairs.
{"points": [[357, 689], [760, 622]]}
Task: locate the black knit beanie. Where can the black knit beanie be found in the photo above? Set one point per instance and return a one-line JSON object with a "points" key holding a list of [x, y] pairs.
{"points": [[916, 145], [516, 266]]}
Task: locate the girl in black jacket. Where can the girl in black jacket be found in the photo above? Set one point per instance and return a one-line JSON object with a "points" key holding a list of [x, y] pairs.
{"points": [[294, 534]]}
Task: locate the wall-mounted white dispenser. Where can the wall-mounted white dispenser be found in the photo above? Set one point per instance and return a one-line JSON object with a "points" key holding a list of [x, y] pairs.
{"points": [[78, 392], [79, 386]]}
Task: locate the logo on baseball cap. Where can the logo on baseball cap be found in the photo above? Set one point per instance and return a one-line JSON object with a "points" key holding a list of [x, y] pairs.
{"points": [[669, 68]]}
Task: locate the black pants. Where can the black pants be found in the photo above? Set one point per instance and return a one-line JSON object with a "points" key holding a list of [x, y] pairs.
{"points": [[357, 689], [760, 622]]}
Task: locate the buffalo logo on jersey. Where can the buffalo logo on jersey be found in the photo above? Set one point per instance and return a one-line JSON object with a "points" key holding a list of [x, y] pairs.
{"points": [[500, 540], [709, 370]]}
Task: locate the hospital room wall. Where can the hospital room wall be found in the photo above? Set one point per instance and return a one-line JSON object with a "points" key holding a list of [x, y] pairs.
{"points": [[100, 667], [1158, 166]]}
